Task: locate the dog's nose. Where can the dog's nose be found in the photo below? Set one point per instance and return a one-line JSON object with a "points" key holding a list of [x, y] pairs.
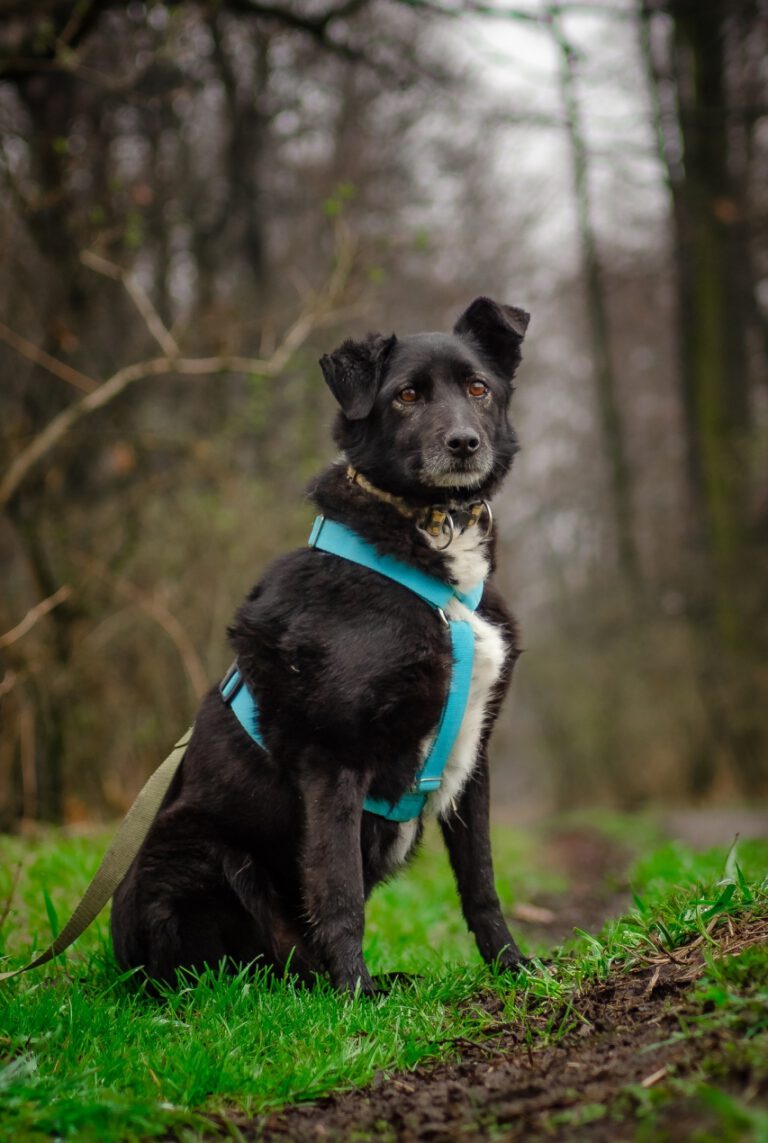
{"points": [[463, 443]]}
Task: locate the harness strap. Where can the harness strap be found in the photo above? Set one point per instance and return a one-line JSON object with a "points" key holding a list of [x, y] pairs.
{"points": [[430, 777], [339, 540], [336, 539], [239, 698]]}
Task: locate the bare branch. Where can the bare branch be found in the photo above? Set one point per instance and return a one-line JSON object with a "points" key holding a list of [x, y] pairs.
{"points": [[34, 615], [512, 12], [56, 429], [59, 368], [8, 682], [319, 310], [140, 298], [164, 617], [315, 26]]}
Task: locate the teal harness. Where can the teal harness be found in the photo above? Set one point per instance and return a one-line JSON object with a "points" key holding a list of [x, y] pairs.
{"points": [[330, 536]]}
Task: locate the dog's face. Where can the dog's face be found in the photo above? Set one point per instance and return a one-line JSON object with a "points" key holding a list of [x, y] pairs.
{"points": [[425, 416]]}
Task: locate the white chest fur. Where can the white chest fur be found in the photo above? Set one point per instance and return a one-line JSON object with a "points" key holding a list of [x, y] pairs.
{"points": [[468, 565]]}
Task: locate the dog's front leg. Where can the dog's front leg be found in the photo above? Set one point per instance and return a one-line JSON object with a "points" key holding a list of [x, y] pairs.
{"points": [[332, 870], [466, 831]]}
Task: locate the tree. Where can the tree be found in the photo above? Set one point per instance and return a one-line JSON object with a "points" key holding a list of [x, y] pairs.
{"points": [[707, 106]]}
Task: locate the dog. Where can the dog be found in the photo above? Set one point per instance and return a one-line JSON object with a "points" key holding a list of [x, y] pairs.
{"points": [[266, 854]]}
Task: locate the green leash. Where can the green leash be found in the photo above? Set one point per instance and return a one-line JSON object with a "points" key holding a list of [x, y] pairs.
{"points": [[117, 860]]}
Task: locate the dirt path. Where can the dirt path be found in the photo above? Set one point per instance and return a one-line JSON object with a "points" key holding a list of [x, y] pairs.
{"points": [[626, 1034]]}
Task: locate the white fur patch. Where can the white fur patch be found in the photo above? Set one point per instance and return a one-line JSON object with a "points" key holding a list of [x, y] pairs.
{"points": [[400, 851], [467, 558], [468, 563]]}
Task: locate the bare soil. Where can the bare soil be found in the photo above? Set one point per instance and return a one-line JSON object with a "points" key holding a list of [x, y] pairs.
{"points": [[626, 1033], [624, 1039]]}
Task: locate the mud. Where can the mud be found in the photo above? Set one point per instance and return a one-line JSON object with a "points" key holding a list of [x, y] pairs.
{"points": [[626, 1035]]}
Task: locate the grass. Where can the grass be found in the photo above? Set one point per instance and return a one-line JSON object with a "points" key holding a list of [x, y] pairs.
{"points": [[85, 1055]]}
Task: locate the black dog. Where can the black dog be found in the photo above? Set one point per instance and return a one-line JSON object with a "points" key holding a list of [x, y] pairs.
{"points": [[268, 855]]}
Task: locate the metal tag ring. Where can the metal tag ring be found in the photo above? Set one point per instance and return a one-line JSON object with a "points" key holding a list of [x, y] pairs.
{"points": [[448, 527], [489, 515]]}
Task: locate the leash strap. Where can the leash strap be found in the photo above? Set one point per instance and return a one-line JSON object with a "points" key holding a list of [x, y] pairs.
{"points": [[118, 858]]}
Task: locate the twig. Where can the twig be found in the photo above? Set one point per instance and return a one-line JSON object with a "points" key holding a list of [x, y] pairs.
{"points": [[34, 614], [653, 981], [320, 310], [664, 951], [155, 367], [52, 364], [164, 618], [8, 682], [139, 297], [654, 1077]]}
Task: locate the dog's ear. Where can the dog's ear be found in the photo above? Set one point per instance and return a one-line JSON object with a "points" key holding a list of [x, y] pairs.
{"points": [[353, 373], [497, 331]]}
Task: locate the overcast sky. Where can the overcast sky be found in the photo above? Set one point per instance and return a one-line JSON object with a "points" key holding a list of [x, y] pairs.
{"points": [[520, 63]]}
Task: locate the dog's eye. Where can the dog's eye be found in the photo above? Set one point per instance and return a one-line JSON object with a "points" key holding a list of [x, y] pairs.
{"points": [[477, 388], [408, 395]]}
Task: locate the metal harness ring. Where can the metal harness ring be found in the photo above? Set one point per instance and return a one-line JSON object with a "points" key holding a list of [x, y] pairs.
{"points": [[489, 514], [449, 527]]}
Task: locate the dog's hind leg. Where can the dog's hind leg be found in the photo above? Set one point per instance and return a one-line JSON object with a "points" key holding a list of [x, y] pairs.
{"points": [[278, 932], [180, 913], [190, 935]]}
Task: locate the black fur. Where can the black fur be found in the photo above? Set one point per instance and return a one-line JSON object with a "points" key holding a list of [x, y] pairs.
{"points": [[269, 857]]}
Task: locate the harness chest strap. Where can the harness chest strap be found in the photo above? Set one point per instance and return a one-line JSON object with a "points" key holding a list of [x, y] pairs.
{"points": [[337, 539]]}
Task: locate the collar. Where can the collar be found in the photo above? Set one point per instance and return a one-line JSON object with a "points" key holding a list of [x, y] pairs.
{"points": [[437, 519]]}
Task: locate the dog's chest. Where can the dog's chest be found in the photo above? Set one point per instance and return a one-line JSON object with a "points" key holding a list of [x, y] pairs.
{"points": [[468, 566]]}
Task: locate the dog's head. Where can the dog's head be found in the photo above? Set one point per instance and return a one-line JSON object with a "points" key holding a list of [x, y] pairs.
{"points": [[425, 416]]}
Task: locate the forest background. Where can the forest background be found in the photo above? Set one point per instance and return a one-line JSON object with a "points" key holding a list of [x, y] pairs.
{"points": [[199, 199]]}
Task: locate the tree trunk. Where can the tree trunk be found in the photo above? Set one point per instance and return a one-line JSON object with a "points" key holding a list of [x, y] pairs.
{"points": [[708, 187], [604, 373]]}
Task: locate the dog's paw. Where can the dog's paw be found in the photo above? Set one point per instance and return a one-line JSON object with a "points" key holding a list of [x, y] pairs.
{"points": [[511, 960], [354, 984]]}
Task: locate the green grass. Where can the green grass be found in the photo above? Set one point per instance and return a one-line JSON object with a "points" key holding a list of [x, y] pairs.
{"points": [[85, 1055]]}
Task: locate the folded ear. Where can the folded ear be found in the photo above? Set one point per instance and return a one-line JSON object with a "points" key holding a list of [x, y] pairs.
{"points": [[353, 373], [497, 331]]}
